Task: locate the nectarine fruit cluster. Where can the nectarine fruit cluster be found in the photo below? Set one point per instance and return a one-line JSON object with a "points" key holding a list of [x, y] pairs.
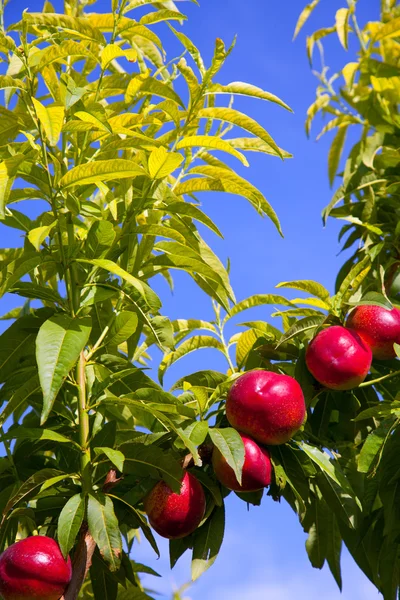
{"points": [[265, 408], [340, 357]]}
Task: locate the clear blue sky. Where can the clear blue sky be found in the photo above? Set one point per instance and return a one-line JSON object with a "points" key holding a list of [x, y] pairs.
{"points": [[263, 555]]}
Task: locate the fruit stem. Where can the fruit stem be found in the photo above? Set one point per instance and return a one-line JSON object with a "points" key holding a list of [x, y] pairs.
{"points": [[379, 379], [220, 327]]}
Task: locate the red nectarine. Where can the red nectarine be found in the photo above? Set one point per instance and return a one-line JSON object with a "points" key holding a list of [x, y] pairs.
{"points": [[34, 569], [378, 327], [175, 515], [267, 406], [256, 472], [338, 358]]}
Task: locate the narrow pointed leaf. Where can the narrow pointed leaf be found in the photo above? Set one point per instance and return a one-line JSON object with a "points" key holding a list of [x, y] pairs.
{"points": [[59, 342]]}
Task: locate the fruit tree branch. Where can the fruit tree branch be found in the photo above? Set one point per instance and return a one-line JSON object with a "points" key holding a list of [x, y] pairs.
{"points": [[81, 565]]}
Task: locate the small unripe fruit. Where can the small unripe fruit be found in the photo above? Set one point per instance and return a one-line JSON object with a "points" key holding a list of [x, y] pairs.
{"points": [[174, 515], [34, 569], [268, 407], [338, 358], [256, 472], [378, 327]]}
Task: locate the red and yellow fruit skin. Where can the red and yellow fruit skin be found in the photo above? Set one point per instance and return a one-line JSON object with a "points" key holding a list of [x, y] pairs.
{"points": [[257, 468], [34, 569], [338, 358], [378, 327], [174, 515], [267, 406]]}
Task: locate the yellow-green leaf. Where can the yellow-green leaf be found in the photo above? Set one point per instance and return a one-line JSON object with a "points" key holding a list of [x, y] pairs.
{"points": [[93, 118], [342, 26], [389, 30], [162, 163], [253, 144], [245, 89], [60, 52], [214, 142], [230, 115], [162, 15], [51, 118], [306, 12], [39, 234], [335, 152], [79, 26], [223, 180], [8, 171], [113, 51], [7, 82], [102, 170], [349, 72]]}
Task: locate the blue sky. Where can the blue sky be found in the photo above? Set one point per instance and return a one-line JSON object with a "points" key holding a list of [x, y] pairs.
{"points": [[263, 555]]}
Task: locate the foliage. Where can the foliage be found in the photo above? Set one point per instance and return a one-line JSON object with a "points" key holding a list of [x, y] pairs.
{"points": [[359, 429], [340, 474], [93, 130]]}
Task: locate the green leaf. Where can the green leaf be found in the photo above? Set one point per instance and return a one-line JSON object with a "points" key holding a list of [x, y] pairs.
{"points": [[162, 163], [115, 456], [20, 397], [301, 326], [144, 290], [342, 26], [374, 444], [99, 239], [29, 486], [329, 467], [188, 346], [124, 325], [213, 142], [317, 538], [101, 170], [36, 434], [353, 280], [151, 458], [36, 292], [207, 542], [58, 345], [245, 89], [51, 118], [103, 525], [335, 153], [306, 12], [230, 444], [69, 523], [230, 115]]}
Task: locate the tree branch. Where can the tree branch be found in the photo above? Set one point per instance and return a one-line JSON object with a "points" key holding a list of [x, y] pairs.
{"points": [[81, 565]]}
